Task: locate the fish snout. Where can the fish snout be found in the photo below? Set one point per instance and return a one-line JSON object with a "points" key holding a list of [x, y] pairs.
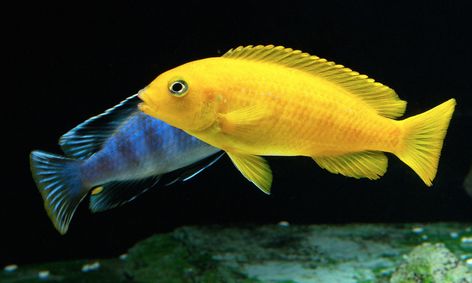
{"points": [[147, 106], [142, 94]]}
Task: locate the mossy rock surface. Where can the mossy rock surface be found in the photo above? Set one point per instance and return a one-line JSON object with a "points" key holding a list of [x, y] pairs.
{"points": [[432, 263], [358, 253], [165, 258]]}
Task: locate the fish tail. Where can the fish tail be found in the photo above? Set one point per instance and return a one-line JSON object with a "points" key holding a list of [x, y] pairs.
{"points": [[59, 182], [423, 140]]}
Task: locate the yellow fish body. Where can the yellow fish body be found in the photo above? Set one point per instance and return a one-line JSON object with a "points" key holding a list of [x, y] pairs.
{"points": [[267, 100]]}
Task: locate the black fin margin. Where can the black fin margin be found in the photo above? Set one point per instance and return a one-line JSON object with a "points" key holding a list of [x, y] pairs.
{"points": [[88, 137], [116, 194]]}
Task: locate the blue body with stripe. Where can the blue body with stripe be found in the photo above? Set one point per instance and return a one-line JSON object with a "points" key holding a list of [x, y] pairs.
{"points": [[117, 156]]}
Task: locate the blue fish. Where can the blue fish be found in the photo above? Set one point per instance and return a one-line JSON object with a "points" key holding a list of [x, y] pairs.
{"points": [[116, 156]]}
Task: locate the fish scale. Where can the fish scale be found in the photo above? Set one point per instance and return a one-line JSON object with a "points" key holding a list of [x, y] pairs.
{"points": [[309, 111], [271, 100], [115, 156]]}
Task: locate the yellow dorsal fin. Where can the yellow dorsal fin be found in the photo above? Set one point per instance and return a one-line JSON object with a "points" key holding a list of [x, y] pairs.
{"points": [[382, 98]]}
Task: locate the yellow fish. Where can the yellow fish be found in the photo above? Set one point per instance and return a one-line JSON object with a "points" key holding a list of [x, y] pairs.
{"points": [[267, 100]]}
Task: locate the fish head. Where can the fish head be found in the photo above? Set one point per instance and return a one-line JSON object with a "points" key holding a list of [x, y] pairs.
{"points": [[182, 97]]}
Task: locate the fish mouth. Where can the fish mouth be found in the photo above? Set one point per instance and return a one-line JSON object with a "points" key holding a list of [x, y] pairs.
{"points": [[142, 94], [147, 106]]}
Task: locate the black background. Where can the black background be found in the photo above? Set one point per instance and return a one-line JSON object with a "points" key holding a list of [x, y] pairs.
{"points": [[67, 63]]}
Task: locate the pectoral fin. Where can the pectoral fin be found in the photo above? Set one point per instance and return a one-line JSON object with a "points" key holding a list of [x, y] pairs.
{"points": [[243, 122], [187, 173], [254, 168]]}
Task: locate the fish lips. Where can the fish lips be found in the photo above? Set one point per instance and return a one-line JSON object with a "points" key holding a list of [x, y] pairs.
{"points": [[147, 106], [142, 94]]}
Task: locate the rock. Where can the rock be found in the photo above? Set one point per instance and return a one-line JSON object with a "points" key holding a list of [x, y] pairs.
{"points": [[165, 258], [302, 254], [360, 253], [432, 263]]}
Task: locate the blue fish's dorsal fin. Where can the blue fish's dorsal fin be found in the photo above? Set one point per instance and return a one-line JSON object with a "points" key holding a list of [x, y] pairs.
{"points": [[88, 137], [187, 173], [116, 194]]}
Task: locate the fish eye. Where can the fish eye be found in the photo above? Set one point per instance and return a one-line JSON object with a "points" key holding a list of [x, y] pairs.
{"points": [[178, 88]]}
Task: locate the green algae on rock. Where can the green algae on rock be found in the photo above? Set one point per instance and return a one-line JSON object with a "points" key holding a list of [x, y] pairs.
{"points": [[164, 258], [354, 253], [432, 263]]}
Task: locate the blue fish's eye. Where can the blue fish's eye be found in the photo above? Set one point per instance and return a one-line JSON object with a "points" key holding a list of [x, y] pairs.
{"points": [[178, 88]]}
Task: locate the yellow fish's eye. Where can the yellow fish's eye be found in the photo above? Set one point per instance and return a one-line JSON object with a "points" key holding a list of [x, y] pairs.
{"points": [[178, 88]]}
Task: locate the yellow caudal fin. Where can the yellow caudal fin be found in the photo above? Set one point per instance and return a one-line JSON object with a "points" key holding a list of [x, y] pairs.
{"points": [[424, 136]]}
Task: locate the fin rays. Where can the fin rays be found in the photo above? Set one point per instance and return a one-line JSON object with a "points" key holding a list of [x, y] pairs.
{"points": [[88, 137], [424, 139], [367, 164], [61, 188], [382, 98], [255, 169]]}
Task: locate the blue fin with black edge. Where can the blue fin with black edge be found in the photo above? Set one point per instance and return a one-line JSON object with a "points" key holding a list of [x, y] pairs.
{"points": [[88, 137], [59, 182], [114, 194]]}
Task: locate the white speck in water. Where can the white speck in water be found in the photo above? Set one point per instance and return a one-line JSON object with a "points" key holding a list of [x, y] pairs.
{"points": [[284, 224], [10, 268], [466, 240], [91, 267], [454, 235], [95, 265], [123, 256], [469, 262], [417, 230], [44, 274], [424, 237]]}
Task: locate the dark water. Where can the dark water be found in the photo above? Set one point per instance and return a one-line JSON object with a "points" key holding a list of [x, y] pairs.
{"points": [[70, 63]]}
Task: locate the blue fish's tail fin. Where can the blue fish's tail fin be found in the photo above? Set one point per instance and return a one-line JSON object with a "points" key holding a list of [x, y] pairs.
{"points": [[59, 182]]}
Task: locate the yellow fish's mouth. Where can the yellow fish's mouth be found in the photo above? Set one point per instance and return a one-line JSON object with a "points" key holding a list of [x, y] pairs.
{"points": [[147, 106], [142, 94], [146, 109]]}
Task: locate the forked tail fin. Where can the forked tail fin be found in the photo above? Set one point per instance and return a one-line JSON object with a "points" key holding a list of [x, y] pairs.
{"points": [[424, 136], [59, 182]]}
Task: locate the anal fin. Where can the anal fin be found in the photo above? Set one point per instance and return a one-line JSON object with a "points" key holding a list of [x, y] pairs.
{"points": [[366, 164], [118, 193], [114, 194], [254, 168]]}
